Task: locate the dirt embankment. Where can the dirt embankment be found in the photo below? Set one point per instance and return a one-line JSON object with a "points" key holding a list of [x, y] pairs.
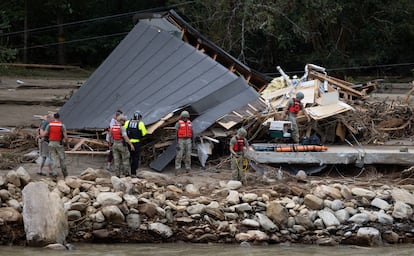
{"points": [[23, 101]]}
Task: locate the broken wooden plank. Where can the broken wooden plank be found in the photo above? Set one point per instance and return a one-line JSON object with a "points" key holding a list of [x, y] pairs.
{"points": [[78, 145], [342, 85], [98, 143], [320, 112], [158, 124]]}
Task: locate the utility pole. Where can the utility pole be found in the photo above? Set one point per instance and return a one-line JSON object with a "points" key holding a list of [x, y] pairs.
{"points": [[26, 33], [61, 39]]}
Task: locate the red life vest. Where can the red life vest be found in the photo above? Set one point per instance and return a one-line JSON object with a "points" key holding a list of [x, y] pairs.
{"points": [[55, 131], [239, 145], [185, 130], [116, 132], [295, 108]]}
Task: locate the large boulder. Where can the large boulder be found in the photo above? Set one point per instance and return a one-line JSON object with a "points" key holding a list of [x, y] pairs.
{"points": [[9, 214], [45, 221], [276, 212]]}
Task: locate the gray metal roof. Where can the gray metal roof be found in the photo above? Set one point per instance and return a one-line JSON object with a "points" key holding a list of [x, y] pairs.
{"points": [[155, 72]]}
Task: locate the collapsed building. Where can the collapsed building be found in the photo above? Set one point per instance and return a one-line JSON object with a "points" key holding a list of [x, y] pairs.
{"points": [[164, 66]]}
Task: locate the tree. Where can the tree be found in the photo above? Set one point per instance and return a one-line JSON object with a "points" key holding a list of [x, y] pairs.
{"points": [[6, 54], [290, 33]]}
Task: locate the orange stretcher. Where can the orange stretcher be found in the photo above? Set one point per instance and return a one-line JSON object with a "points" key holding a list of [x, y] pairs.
{"points": [[300, 148]]}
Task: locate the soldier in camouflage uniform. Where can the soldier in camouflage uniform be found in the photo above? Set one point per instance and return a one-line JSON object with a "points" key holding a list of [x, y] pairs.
{"points": [[292, 109], [184, 141], [118, 140], [238, 146]]}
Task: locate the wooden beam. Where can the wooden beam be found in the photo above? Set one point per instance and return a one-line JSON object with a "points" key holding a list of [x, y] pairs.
{"points": [[95, 142], [338, 84], [156, 125], [78, 145]]}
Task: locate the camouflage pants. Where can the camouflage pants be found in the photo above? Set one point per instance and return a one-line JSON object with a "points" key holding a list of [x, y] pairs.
{"points": [[236, 165], [57, 153], [295, 131], [121, 159], [183, 150]]}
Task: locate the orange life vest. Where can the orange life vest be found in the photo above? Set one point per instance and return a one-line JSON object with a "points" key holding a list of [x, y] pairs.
{"points": [[116, 132], [55, 131], [295, 108], [185, 130], [239, 145]]}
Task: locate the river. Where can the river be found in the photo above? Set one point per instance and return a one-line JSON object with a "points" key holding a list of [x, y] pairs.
{"points": [[182, 249]]}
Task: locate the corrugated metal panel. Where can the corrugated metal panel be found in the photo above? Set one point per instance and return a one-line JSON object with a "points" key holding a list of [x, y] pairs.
{"points": [[151, 71]]}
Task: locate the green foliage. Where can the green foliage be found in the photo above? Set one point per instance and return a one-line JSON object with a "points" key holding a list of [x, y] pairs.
{"points": [[261, 33], [6, 54], [38, 72], [291, 33]]}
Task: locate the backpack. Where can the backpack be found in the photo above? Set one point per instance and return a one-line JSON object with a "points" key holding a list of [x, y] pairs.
{"points": [[311, 140]]}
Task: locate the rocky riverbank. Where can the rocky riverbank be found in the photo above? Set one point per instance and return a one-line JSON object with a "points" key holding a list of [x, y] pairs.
{"points": [[98, 207]]}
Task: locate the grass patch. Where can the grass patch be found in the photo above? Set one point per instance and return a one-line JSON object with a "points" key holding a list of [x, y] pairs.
{"points": [[73, 73]]}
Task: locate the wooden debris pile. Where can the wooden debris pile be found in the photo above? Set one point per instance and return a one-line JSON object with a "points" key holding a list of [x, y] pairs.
{"points": [[18, 140], [339, 108], [13, 146], [380, 121]]}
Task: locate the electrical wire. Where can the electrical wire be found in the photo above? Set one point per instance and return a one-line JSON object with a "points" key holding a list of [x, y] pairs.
{"points": [[350, 68], [73, 41]]}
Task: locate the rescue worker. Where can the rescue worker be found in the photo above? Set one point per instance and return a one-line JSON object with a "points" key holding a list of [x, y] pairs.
{"points": [[110, 156], [43, 146], [135, 130], [118, 140], [238, 146], [184, 141], [292, 109], [56, 131]]}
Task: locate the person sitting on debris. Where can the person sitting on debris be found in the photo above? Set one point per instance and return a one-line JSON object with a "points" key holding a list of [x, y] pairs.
{"points": [[43, 145], [238, 146], [292, 109], [118, 140], [135, 131], [56, 131], [184, 141], [111, 123]]}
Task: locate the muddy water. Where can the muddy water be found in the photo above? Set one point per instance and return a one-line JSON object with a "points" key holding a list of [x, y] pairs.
{"points": [[204, 249]]}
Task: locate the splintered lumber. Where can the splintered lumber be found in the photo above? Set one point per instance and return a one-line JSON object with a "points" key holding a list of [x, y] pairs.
{"points": [[78, 145], [158, 124], [339, 83], [80, 141]]}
